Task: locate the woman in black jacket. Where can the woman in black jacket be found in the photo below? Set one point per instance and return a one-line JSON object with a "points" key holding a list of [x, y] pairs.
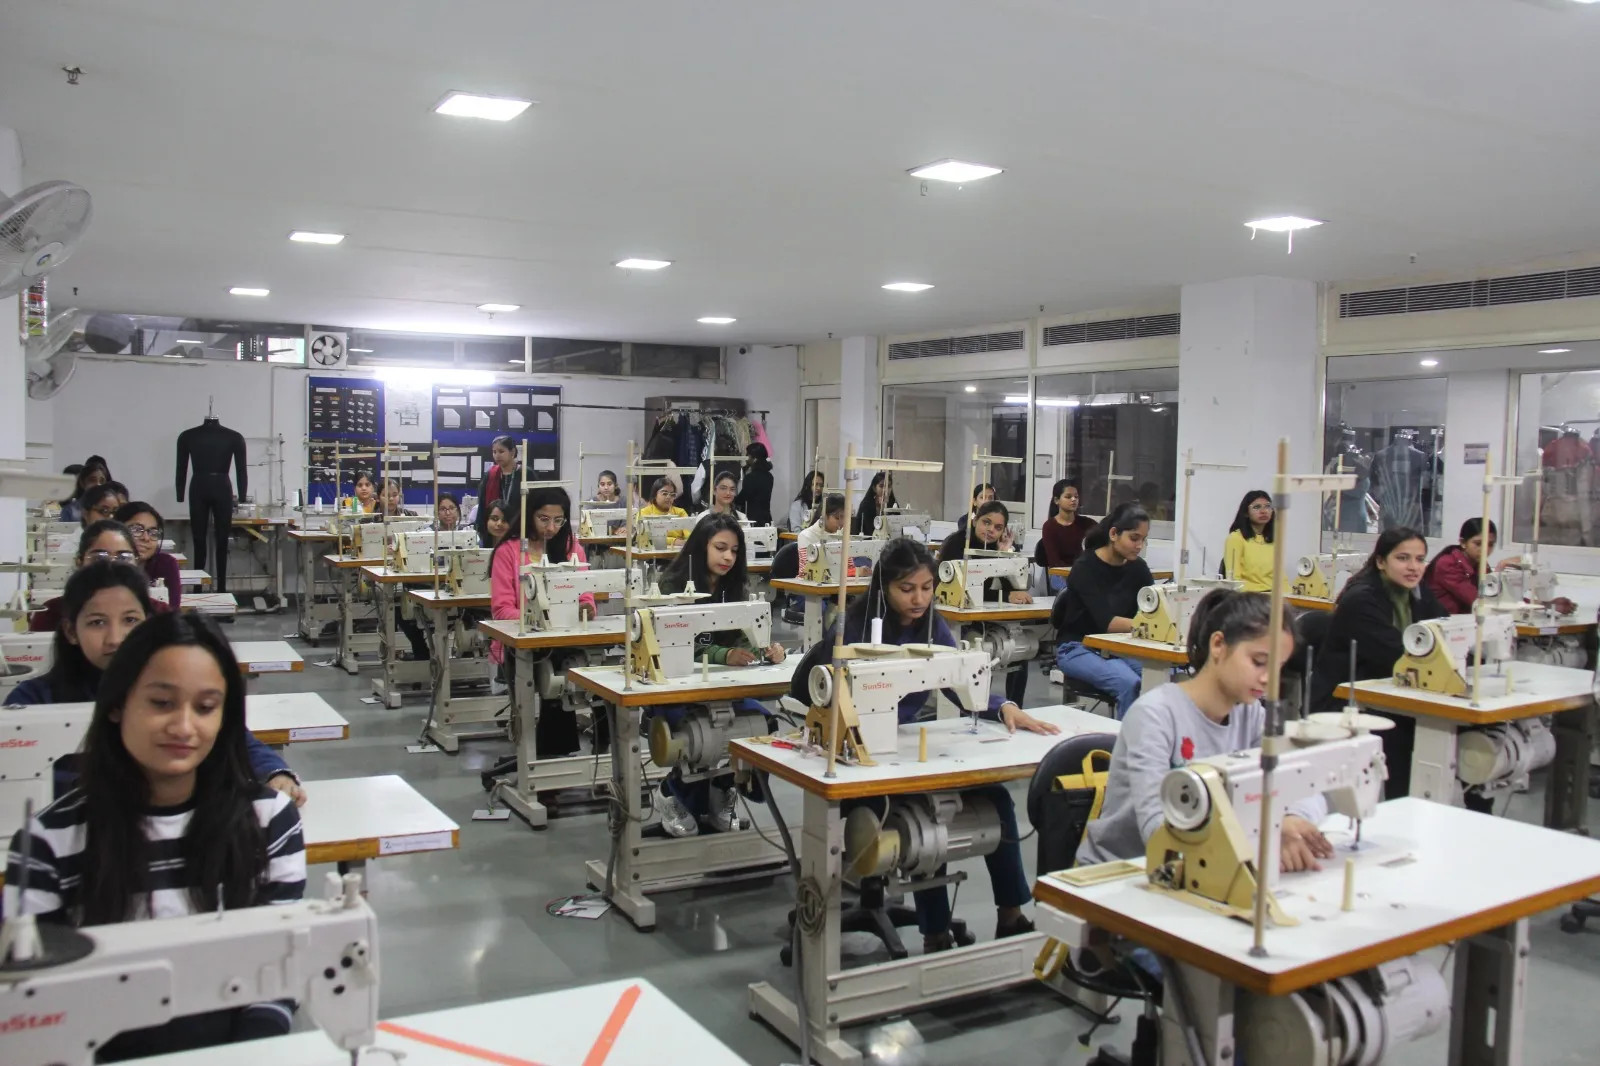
{"points": [[1372, 612], [755, 491]]}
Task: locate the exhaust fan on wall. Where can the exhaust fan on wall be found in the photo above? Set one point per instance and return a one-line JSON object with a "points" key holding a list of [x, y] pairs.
{"points": [[327, 351], [39, 228]]}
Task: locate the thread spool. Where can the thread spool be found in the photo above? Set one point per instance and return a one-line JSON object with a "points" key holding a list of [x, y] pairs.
{"points": [[877, 632], [922, 745], [1349, 903]]}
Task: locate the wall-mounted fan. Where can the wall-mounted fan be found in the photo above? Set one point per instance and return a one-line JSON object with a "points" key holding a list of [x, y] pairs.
{"points": [[39, 228], [53, 357], [327, 351]]}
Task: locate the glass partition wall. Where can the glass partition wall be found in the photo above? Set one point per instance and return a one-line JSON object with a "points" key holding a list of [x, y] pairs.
{"points": [[943, 421], [1390, 433]]}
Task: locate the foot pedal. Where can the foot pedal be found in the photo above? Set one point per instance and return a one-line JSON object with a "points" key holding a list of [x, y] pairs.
{"points": [[260, 604], [491, 814], [423, 749]]}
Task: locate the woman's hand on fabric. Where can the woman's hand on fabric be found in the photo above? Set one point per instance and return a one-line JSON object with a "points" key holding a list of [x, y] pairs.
{"points": [[286, 784], [1018, 596], [775, 652], [1303, 844], [1016, 718], [740, 657]]}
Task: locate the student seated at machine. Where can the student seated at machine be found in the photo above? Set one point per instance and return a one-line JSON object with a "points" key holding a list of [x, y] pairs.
{"points": [[1372, 612], [89, 474], [1102, 596], [713, 558], [663, 493], [1452, 576], [446, 513], [723, 492], [1247, 553], [879, 498], [102, 501], [1061, 536], [366, 492], [990, 532], [104, 602], [901, 594], [144, 526], [1215, 711], [166, 820], [981, 495], [605, 489], [394, 500], [804, 504], [104, 539]]}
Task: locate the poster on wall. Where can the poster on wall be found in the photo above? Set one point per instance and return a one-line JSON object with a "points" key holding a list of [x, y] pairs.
{"points": [[474, 415], [343, 416]]}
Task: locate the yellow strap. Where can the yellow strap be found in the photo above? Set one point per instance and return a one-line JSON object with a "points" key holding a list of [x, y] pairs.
{"points": [[1052, 957], [1089, 778]]}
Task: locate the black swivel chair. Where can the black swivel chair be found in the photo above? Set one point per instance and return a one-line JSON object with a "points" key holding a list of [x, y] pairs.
{"points": [[785, 567]]}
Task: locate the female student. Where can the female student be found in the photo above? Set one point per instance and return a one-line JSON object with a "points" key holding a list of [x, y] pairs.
{"points": [[879, 498], [1102, 596], [991, 533], [723, 493], [1452, 577], [1247, 553], [714, 559], [1061, 537], [90, 474], [662, 494], [550, 536], [1377, 604], [102, 604], [805, 501], [446, 513], [366, 491], [144, 526], [497, 523], [166, 818], [394, 501], [605, 489], [502, 481], [901, 593], [103, 540], [981, 495], [101, 502], [1215, 711], [755, 491]]}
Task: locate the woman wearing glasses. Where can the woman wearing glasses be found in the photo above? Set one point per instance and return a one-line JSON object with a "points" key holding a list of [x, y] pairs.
{"points": [[144, 525], [106, 540]]}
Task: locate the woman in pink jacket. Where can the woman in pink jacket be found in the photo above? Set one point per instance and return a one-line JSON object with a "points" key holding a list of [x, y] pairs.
{"points": [[550, 536]]}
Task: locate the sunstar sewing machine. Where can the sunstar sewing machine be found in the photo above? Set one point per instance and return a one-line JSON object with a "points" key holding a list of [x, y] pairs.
{"points": [[64, 992], [662, 639], [372, 538], [550, 591], [600, 521], [1523, 589], [1165, 612], [895, 523], [826, 568], [32, 739], [1322, 577], [650, 534], [1438, 654], [466, 571], [961, 581], [26, 655], [877, 677], [412, 552], [760, 543]]}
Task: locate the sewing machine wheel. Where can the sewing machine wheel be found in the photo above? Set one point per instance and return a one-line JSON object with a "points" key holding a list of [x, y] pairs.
{"points": [[1418, 640], [820, 685], [868, 850], [1305, 567], [1489, 587], [947, 571], [1185, 801], [1149, 599], [635, 629]]}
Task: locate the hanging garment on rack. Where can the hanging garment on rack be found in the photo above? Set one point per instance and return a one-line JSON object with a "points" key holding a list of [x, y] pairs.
{"points": [[758, 430], [663, 442]]}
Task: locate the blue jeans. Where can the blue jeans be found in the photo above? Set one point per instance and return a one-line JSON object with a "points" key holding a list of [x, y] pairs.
{"points": [[1057, 583], [1118, 678]]}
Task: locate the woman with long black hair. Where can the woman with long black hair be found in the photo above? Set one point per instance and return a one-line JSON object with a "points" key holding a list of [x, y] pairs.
{"points": [[1102, 596], [805, 502], [990, 532], [1247, 553], [878, 499], [167, 819]]}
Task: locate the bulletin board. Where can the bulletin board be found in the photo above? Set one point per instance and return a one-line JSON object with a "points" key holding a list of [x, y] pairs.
{"points": [[342, 414], [474, 415]]}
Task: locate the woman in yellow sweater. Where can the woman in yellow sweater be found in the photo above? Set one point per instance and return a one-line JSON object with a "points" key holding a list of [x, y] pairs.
{"points": [[663, 493], [1247, 555]]}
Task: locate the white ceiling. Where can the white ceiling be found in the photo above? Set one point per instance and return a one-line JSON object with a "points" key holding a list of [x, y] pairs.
{"points": [[762, 146]]}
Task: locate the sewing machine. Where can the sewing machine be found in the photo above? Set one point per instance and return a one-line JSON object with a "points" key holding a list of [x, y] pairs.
{"points": [[877, 677], [650, 534], [411, 552], [114, 978], [1165, 612], [1206, 848], [1524, 589], [662, 639], [26, 655], [466, 571], [1438, 653], [894, 524], [1322, 577], [31, 740], [600, 521], [961, 581], [371, 538], [825, 568], [550, 591], [760, 543]]}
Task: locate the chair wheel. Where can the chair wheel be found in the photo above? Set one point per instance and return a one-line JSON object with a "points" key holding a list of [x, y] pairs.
{"points": [[1572, 923], [786, 955]]}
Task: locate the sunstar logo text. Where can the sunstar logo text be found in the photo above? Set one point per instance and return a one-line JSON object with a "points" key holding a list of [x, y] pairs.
{"points": [[18, 1022], [874, 686], [674, 625], [19, 743]]}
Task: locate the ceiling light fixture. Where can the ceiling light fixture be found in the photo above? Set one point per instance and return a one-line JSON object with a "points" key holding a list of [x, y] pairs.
{"points": [[362, 351], [970, 388], [498, 309], [244, 290], [1430, 362], [471, 105], [907, 286], [1045, 401], [1564, 351], [305, 236], [716, 320], [643, 264], [186, 340], [1283, 224], [954, 170]]}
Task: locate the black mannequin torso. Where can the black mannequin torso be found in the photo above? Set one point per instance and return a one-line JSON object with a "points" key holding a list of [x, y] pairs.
{"points": [[211, 446]]}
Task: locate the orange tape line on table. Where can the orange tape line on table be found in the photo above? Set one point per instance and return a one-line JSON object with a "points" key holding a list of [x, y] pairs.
{"points": [[608, 1036], [451, 1045]]}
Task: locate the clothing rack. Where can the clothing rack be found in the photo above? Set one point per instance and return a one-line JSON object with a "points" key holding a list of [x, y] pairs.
{"points": [[724, 412]]}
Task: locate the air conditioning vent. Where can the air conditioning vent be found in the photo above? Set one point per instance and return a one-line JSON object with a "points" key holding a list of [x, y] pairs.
{"points": [[1112, 329], [1485, 292], [975, 344]]}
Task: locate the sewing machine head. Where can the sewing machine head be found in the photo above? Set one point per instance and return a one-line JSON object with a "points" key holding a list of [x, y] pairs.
{"points": [[826, 567], [1165, 612], [600, 521], [1438, 653], [651, 533], [896, 522], [760, 543], [371, 538], [961, 581], [665, 640], [411, 552], [26, 655], [878, 677], [35, 737], [1323, 577], [466, 570], [1522, 589], [550, 591], [66, 992]]}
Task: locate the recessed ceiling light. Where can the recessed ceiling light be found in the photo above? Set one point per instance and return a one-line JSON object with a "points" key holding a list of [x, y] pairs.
{"points": [[470, 105], [242, 290], [1430, 362], [186, 340], [1563, 351], [907, 286], [954, 170], [716, 320], [643, 264], [1284, 223], [495, 309], [363, 351], [515, 362], [305, 236], [970, 388]]}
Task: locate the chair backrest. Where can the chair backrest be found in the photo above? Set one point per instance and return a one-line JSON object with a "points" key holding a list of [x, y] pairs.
{"points": [[786, 561], [1065, 795], [1310, 633]]}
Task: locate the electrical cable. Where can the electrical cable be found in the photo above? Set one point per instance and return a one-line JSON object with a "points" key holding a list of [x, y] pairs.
{"points": [[796, 941]]}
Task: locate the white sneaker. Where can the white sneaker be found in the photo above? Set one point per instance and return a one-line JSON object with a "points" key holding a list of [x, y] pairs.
{"points": [[675, 817], [724, 810], [496, 687]]}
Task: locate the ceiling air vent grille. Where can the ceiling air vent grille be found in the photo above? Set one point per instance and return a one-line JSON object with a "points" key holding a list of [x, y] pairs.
{"points": [[1111, 329], [974, 344], [1485, 292]]}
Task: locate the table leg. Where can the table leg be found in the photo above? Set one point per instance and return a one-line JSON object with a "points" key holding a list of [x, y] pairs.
{"points": [[1433, 761], [347, 622], [811, 632], [1153, 675], [308, 591], [278, 537], [1486, 1017], [1566, 797], [523, 798], [1197, 1011], [387, 686], [627, 894]]}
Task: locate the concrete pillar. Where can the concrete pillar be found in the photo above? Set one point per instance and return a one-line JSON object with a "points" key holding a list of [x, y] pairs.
{"points": [[1247, 375], [859, 396], [13, 382]]}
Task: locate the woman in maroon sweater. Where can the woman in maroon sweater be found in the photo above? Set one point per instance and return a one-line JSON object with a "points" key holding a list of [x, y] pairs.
{"points": [[1452, 577], [1061, 536], [144, 524]]}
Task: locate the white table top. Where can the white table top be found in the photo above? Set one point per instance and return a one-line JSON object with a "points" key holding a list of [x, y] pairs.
{"points": [[223, 603], [194, 577], [1427, 874], [298, 716], [563, 1028], [1038, 609], [1536, 689], [267, 656], [444, 598], [1129, 646], [378, 815], [956, 755], [719, 682]]}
